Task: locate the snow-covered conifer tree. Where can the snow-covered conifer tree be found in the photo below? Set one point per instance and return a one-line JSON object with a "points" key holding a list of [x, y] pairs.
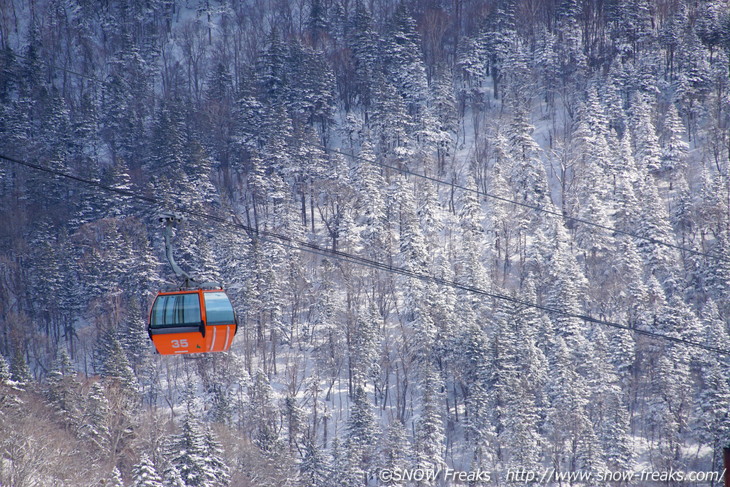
{"points": [[674, 148], [63, 389], [429, 437], [144, 474], [395, 450], [5, 374], [646, 142], [315, 469], [94, 424], [516, 411], [715, 398], [196, 456], [573, 444], [19, 370]]}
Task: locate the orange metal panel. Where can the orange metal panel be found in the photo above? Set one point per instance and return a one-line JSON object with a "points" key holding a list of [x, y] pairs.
{"points": [[179, 343], [218, 338]]}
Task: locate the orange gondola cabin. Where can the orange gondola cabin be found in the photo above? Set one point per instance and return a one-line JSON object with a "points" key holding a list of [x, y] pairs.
{"points": [[194, 317], [192, 321]]}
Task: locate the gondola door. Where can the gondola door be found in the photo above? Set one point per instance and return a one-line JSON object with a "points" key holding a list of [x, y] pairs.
{"points": [[220, 321], [177, 323]]}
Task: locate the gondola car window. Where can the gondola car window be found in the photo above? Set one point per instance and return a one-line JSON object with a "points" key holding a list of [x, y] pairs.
{"points": [[176, 310], [218, 309]]}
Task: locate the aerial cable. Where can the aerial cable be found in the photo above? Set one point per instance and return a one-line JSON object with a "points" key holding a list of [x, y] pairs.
{"points": [[541, 209], [457, 186], [294, 244], [60, 68]]}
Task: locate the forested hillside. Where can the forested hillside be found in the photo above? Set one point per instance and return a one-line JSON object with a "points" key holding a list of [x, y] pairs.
{"points": [[474, 234]]}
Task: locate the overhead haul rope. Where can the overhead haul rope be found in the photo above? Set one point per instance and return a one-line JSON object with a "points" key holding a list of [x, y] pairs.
{"points": [[294, 244], [454, 185], [541, 209]]}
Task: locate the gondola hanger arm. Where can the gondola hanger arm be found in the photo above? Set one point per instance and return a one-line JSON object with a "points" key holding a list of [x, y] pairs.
{"points": [[170, 219]]}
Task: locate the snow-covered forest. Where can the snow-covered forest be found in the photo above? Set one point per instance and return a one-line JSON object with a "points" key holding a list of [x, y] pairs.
{"points": [[571, 156]]}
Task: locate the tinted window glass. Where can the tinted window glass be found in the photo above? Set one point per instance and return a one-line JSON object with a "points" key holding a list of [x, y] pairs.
{"points": [[218, 309], [176, 310]]}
